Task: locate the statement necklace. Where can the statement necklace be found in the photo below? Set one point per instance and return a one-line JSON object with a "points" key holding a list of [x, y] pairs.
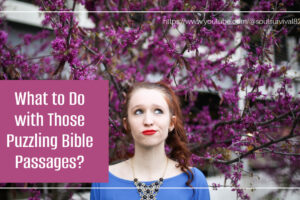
{"points": [[148, 192]]}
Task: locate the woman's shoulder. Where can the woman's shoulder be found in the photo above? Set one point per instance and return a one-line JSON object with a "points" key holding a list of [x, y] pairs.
{"points": [[197, 171], [121, 170], [201, 184], [116, 166], [199, 177]]}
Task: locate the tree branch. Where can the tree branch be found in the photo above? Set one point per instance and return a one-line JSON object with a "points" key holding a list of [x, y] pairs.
{"points": [[291, 134], [272, 140], [292, 112], [282, 153], [62, 63]]}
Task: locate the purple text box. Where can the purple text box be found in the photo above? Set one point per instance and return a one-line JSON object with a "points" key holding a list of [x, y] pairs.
{"points": [[54, 131]]}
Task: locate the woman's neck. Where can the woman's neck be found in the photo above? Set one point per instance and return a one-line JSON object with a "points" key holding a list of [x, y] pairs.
{"points": [[149, 163]]}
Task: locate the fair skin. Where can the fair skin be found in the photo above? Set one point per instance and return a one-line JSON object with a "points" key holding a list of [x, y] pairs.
{"points": [[148, 110]]}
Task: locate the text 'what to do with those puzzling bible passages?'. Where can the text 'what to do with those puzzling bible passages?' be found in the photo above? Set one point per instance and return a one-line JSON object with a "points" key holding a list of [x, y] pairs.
{"points": [[38, 140], [55, 129]]}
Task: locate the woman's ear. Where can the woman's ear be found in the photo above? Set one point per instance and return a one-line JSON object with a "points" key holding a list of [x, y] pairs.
{"points": [[172, 123], [125, 123]]}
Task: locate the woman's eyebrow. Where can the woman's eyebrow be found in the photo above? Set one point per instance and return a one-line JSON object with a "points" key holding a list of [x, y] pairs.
{"points": [[156, 105], [139, 105]]}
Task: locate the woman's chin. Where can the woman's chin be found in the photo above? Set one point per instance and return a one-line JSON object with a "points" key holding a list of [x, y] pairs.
{"points": [[151, 143]]}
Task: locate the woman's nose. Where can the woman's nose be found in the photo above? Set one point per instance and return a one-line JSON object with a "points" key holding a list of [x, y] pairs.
{"points": [[148, 119]]}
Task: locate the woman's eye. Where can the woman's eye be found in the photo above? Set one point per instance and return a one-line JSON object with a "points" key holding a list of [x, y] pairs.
{"points": [[138, 112], [158, 111]]}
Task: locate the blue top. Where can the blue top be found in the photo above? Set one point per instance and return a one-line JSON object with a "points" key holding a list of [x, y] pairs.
{"points": [[172, 188]]}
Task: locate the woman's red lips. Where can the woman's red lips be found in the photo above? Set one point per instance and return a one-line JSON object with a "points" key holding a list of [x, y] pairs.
{"points": [[149, 132]]}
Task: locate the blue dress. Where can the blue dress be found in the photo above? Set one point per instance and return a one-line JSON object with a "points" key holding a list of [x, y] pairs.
{"points": [[172, 188]]}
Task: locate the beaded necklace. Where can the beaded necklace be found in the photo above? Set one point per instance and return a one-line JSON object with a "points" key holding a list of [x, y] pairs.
{"points": [[148, 192]]}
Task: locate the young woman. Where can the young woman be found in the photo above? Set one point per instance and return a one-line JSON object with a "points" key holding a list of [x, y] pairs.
{"points": [[152, 115]]}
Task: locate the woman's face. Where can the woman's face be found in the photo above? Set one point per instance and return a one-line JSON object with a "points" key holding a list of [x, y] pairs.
{"points": [[149, 117]]}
